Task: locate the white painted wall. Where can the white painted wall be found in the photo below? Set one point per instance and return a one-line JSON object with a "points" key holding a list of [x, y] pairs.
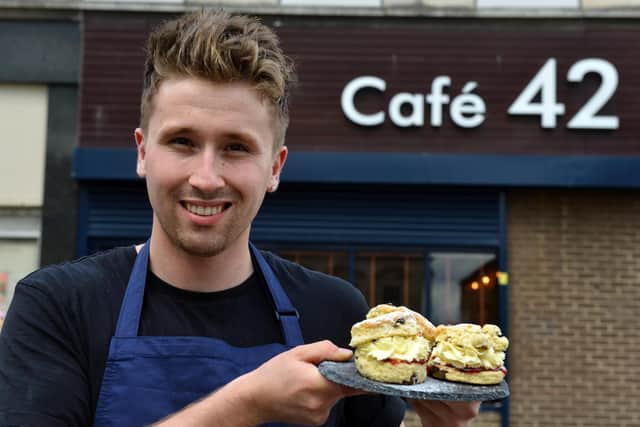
{"points": [[603, 4], [518, 4], [333, 3], [23, 120]]}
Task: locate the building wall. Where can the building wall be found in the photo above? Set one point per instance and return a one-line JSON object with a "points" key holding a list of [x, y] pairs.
{"points": [[23, 120], [356, 7], [574, 295], [38, 109]]}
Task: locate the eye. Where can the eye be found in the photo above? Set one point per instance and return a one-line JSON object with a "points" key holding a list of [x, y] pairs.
{"points": [[181, 142], [237, 147]]}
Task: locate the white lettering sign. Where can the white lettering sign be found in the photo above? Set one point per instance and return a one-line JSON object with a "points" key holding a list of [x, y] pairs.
{"points": [[468, 109], [349, 92]]}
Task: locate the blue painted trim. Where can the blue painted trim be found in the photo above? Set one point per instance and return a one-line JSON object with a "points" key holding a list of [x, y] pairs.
{"points": [[410, 168], [480, 170], [104, 164]]}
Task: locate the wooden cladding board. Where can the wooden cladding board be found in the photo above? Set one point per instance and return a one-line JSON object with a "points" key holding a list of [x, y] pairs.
{"points": [[501, 56]]}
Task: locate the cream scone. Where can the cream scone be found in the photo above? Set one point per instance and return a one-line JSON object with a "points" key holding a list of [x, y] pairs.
{"points": [[469, 353], [392, 345]]}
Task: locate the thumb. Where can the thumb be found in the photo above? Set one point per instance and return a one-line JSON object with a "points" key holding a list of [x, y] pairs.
{"points": [[323, 350]]}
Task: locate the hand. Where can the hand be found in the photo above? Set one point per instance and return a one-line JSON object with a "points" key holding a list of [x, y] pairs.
{"points": [[290, 389], [445, 413]]}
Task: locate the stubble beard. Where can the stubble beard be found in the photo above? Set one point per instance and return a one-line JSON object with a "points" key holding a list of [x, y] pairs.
{"points": [[205, 249], [200, 241]]}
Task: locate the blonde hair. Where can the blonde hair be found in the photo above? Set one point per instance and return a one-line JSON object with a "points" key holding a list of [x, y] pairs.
{"points": [[220, 47]]}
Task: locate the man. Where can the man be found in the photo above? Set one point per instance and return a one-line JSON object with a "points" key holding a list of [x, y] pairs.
{"points": [[195, 327]]}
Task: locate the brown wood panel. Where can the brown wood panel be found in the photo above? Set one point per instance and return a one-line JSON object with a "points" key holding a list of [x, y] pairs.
{"points": [[111, 80], [501, 56]]}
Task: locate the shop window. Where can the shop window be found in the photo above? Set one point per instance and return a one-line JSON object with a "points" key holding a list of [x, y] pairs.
{"points": [[456, 287], [333, 263], [396, 278], [464, 288]]}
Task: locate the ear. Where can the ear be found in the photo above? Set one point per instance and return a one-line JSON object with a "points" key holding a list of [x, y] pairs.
{"points": [[276, 169], [140, 170]]}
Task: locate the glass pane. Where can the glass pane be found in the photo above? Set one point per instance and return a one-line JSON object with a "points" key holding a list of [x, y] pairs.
{"points": [[365, 273], [464, 288], [333, 263], [417, 284], [391, 278]]}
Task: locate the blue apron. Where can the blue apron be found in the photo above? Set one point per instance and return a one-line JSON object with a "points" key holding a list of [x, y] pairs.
{"points": [[147, 378]]}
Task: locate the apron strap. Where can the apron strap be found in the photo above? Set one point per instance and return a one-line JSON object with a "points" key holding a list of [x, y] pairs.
{"points": [[285, 311], [131, 309], [129, 319]]}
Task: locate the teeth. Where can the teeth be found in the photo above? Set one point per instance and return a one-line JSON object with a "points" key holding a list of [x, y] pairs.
{"points": [[204, 211]]}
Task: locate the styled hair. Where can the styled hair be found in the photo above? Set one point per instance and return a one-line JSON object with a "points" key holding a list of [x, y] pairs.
{"points": [[220, 47]]}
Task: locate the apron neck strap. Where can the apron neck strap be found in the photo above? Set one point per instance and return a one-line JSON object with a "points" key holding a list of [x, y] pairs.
{"points": [[131, 309], [285, 311]]}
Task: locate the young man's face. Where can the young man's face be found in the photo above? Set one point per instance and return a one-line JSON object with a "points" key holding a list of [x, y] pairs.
{"points": [[207, 155]]}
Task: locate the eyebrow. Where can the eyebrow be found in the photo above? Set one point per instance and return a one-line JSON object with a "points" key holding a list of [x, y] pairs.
{"points": [[175, 130], [171, 130]]}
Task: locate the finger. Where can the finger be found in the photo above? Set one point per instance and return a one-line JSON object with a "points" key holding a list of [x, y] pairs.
{"points": [[348, 391], [446, 413], [322, 350], [465, 410]]}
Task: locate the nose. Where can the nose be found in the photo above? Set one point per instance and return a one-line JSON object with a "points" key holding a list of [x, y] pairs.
{"points": [[206, 174]]}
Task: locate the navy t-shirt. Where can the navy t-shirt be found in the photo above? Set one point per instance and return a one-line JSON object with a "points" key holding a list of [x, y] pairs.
{"points": [[55, 340]]}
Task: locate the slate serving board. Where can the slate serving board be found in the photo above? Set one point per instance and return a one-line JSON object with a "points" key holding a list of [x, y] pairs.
{"points": [[345, 373]]}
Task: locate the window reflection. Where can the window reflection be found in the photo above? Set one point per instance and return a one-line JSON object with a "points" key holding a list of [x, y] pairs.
{"points": [[464, 288], [329, 262], [396, 278], [459, 287]]}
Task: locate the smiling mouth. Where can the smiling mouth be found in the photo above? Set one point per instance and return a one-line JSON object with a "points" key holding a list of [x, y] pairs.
{"points": [[205, 210]]}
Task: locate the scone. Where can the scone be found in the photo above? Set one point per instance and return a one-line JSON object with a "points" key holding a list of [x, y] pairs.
{"points": [[392, 345], [469, 353]]}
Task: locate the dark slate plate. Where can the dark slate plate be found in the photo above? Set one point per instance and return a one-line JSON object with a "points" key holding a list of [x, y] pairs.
{"points": [[345, 373]]}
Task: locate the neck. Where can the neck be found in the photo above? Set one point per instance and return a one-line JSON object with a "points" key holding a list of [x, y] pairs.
{"points": [[200, 273]]}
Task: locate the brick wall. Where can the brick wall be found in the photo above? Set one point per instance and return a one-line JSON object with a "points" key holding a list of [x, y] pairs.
{"points": [[574, 305]]}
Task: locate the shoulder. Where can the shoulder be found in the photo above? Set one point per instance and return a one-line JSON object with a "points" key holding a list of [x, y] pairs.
{"points": [[100, 271], [68, 312], [328, 305]]}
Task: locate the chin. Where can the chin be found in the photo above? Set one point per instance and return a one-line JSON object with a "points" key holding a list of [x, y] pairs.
{"points": [[200, 247]]}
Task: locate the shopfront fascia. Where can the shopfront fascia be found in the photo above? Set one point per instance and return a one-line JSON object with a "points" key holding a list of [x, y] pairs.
{"points": [[405, 136]]}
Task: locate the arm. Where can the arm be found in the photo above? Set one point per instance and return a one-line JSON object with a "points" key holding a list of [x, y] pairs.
{"points": [[287, 388], [445, 413], [44, 381]]}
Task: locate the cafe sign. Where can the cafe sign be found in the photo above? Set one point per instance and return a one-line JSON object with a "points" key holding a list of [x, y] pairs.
{"points": [[468, 108]]}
